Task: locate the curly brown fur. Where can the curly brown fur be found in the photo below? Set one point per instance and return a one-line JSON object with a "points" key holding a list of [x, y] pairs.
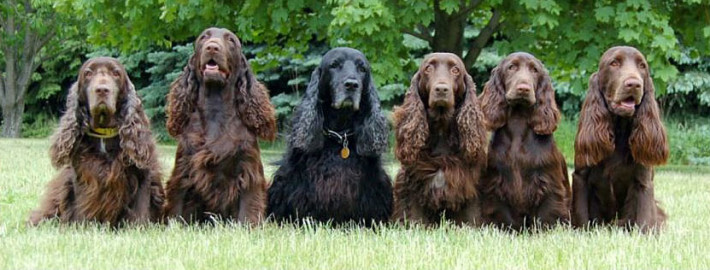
{"points": [[440, 141], [216, 111], [109, 180], [526, 183], [619, 139]]}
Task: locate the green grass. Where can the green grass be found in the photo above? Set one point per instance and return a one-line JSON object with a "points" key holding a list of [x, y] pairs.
{"points": [[25, 168]]}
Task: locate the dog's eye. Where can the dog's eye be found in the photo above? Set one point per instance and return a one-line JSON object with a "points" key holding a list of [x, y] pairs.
{"points": [[513, 67], [642, 65], [335, 65], [534, 69], [231, 39], [615, 63], [116, 74], [428, 69], [455, 71], [361, 68], [88, 73]]}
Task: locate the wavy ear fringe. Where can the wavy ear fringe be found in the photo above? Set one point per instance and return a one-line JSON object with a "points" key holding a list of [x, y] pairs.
{"points": [[137, 143], [256, 109], [411, 126], [68, 131], [372, 137], [493, 102], [307, 122], [545, 116], [649, 143], [469, 122], [182, 99], [595, 137]]}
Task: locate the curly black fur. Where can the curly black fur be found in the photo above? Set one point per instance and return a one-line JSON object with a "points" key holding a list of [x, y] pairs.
{"points": [[314, 181]]}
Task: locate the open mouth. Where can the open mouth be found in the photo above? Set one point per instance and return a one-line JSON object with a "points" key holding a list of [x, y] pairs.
{"points": [[628, 103], [212, 67]]}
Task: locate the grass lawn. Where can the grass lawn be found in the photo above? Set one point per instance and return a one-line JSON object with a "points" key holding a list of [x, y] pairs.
{"points": [[25, 168]]}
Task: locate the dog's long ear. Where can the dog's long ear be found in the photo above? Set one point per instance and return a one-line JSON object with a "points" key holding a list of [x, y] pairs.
{"points": [[411, 126], [372, 132], [649, 143], [182, 99], [68, 131], [595, 137], [307, 122], [469, 122], [493, 103], [545, 116], [136, 140], [255, 108]]}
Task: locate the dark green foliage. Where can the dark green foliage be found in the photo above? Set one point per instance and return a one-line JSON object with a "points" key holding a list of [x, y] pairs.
{"points": [[285, 40], [165, 67], [689, 140], [286, 77], [46, 94], [689, 93]]}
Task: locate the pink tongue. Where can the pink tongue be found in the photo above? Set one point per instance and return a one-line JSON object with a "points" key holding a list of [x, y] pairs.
{"points": [[211, 67], [629, 103]]}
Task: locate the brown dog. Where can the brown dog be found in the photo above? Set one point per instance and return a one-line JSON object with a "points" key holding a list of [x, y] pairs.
{"points": [[619, 139], [216, 111], [441, 145], [103, 147], [526, 183]]}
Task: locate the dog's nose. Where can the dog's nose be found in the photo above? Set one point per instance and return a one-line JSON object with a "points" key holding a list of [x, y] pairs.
{"points": [[212, 47], [351, 84], [101, 90], [632, 83], [523, 88], [442, 88]]}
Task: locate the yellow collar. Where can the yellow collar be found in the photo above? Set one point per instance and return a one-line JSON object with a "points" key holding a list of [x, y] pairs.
{"points": [[102, 133]]}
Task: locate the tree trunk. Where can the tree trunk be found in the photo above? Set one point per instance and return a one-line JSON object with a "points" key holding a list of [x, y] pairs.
{"points": [[12, 120], [21, 60], [482, 39], [448, 31]]}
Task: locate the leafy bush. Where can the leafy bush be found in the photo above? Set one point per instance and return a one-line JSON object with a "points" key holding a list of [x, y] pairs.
{"points": [[39, 126], [165, 67], [690, 91], [689, 141]]}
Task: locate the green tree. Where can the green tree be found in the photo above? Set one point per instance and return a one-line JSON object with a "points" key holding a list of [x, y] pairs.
{"points": [[569, 36], [30, 32], [587, 28], [379, 28]]}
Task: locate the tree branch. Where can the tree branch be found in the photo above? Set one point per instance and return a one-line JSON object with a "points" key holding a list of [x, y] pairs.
{"points": [[63, 50], [473, 4], [45, 39], [28, 7], [480, 41], [424, 33]]}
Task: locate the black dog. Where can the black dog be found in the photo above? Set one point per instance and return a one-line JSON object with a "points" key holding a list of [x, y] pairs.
{"points": [[332, 170]]}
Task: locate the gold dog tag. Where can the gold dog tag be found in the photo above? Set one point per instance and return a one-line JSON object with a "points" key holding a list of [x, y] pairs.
{"points": [[345, 152]]}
